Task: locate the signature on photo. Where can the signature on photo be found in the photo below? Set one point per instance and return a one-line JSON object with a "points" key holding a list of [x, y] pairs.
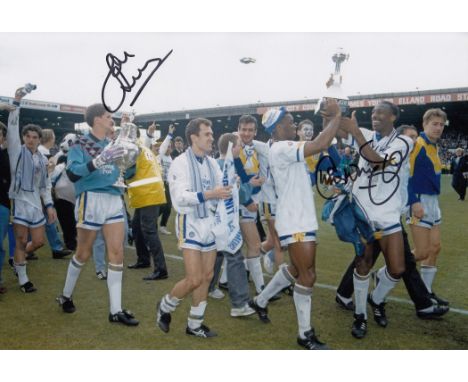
{"points": [[388, 169], [115, 72]]}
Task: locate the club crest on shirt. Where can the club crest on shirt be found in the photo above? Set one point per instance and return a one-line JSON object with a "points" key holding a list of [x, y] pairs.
{"points": [[206, 183]]}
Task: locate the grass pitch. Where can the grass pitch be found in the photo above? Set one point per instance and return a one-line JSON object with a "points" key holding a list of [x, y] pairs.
{"points": [[34, 321]]}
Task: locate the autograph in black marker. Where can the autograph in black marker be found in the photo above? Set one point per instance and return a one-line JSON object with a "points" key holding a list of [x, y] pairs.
{"points": [[331, 176], [115, 71]]}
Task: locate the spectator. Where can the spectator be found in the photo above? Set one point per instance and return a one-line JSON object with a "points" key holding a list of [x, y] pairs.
{"points": [[47, 142], [346, 160], [146, 194], [4, 199], [58, 249], [458, 180], [179, 147], [165, 160], [64, 192]]}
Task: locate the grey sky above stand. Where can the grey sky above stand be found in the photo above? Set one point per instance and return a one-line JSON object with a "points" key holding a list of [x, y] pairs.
{"points": [[204, 69]]}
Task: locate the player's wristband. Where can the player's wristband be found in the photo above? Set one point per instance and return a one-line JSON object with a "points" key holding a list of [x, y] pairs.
{"points": [[201, 197]]}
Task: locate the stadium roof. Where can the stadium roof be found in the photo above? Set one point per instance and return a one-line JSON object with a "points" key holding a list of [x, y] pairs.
{"points": [[412, 106], [308, 105], [62, 118]]}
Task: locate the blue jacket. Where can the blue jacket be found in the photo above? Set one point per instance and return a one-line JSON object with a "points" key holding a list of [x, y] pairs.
{"points": [[350, 222]]}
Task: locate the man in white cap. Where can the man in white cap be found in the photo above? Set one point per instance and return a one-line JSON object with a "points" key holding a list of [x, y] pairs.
{"points": [[296, 227]]}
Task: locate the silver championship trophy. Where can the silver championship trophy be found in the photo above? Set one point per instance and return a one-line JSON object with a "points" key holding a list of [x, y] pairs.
{"points": [[128, 140], [334, 89], [26, 89]]}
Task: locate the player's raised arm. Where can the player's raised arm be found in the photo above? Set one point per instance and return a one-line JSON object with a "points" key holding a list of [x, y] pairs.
{"points": [[332, 118]]}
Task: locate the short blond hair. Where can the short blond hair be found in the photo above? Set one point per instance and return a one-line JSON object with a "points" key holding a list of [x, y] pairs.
{"points": [[431, 113], [47, 135]]}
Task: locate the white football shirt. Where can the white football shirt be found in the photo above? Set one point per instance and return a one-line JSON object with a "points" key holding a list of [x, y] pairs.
{"points": [[382, 194], [295, 208]]}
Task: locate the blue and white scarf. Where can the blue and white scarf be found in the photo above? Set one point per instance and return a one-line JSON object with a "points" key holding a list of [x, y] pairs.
{"points": [[226, 228], [197, 185], [24, 177]]}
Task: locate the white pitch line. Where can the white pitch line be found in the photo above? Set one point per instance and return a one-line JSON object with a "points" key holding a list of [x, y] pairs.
{"points": [[334, 288]]}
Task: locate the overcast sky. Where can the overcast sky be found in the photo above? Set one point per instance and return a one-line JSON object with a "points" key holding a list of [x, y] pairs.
{"points": [[204, 69]]}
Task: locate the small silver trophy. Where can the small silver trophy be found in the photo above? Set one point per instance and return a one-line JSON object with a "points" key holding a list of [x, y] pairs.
{"points": [[334, 89], [128, 140], [26, 89]]}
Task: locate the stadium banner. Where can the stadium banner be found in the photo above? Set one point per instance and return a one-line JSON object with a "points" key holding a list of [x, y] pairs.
{"points": [[82, 110], [291, 108], [39, 105], [371, 102], [72, 109], [412, 100]]}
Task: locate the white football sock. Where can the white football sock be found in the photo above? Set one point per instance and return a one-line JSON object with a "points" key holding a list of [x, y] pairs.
{"points": [[361, 288], [384, 287], [255, 268], [428, 274], [114, 284], [196, 315], [21, 272], [280, 280], [169, 304], [303, 302], [73, 272]]}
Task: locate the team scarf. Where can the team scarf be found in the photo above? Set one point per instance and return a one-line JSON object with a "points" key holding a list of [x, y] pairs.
{"points": [[197, 185], [249, 159], [226, 226]]}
